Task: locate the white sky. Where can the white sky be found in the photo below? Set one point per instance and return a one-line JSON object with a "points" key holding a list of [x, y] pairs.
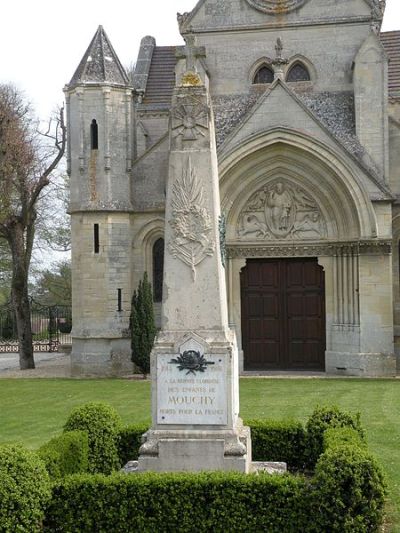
{"points": [[42, 41]]}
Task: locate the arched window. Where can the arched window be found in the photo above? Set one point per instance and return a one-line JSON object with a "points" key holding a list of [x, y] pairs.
{"points": [[158, 269], [94, 135], [298, 72], [264, 75]]}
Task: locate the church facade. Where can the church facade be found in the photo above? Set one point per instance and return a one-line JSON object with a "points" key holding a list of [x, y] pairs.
{"points": [[305, 98]]}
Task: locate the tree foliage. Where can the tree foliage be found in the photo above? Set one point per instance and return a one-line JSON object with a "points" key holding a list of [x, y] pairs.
{"points": [[143, 328], [27, 162], [53, 287]]}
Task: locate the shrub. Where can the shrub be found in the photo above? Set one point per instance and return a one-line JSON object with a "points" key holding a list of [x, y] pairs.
{"points": [[345, 495], [334, 437], [182, 503], [278, 441], [271, 441], [350, 489], [7, 326], [142, 325], [24, 490], [130, 440], [102, 424], [66, 454], [322, 419]]}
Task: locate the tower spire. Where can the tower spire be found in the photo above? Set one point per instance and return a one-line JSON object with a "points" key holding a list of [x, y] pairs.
{"points": [[100, 64]]}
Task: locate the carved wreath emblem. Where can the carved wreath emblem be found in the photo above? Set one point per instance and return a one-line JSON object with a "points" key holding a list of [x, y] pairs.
{"points": [[191, 222], [190, 118], [276, 7], [191, 361]]}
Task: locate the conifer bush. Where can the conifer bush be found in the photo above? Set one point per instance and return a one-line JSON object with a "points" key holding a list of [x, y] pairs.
{"points": [[143, 330], [102, 424], [25, 490]]}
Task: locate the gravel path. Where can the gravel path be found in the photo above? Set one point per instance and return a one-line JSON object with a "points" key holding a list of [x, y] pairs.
{"points": [[48, 365]]}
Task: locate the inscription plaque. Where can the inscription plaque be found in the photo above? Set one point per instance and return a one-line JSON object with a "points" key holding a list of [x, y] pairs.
{"points": [[198, 398]]}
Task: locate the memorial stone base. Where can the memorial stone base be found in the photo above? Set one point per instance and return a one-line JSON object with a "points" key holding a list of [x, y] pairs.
{"points": [[195, 413]]}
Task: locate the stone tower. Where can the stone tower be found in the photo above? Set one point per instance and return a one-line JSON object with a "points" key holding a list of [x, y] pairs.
{"points": [[99, 110]]}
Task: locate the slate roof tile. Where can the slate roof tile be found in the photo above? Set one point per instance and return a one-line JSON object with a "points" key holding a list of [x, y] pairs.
{"points": [[391, 43]]}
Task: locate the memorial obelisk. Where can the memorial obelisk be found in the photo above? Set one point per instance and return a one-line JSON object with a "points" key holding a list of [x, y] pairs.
{"points": [[194, 363]]}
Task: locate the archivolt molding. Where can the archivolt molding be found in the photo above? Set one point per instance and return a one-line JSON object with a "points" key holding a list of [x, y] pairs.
{"points": [[265, 60], [303, 162], [149, 232]]}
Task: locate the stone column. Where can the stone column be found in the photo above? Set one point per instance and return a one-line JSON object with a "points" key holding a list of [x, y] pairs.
{"points": [[195, 384]]}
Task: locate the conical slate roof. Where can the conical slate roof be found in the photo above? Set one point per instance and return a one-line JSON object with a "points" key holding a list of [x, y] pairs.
{"points": [[100, 64]]}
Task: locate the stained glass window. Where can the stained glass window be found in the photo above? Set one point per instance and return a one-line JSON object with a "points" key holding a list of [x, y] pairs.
{"points": [[264, 75], [298, 73]]}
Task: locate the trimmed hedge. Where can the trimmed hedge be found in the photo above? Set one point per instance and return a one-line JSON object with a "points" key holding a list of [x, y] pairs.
{"points": [[350, 490], [274, 440], [322, 419], [24, 490], [66, 454], [217, 502], [345, 494], [130, 440], [102, 424]]}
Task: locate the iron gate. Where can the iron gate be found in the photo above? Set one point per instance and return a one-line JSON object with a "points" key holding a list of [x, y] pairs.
{"points": [[51, 327]]}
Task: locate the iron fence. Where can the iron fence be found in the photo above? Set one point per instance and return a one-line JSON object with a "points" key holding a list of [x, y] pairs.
{"points": [[51, 327]]}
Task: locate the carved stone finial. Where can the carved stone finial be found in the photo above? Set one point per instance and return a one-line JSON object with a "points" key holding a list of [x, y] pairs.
{"points": [[279, 48], [279, 61], [182, 18], [377, 12]]}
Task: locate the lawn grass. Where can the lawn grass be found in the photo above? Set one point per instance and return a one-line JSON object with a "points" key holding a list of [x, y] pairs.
{"points": [[33, 410]]}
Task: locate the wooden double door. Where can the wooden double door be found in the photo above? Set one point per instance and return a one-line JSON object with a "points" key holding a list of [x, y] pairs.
{"points": [[283, 314]]}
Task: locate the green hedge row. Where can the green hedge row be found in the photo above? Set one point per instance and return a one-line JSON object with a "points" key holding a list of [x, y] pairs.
{"points": [[198, 503], [110, 444], [345, 494], [272, 440]]}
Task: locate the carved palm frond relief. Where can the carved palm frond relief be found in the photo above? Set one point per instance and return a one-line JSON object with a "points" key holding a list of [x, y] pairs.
{"points": [[191, 221]]}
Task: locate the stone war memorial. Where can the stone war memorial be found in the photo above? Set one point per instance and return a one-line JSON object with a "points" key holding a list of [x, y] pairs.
{"points": [[195, 359], [253, 172]]}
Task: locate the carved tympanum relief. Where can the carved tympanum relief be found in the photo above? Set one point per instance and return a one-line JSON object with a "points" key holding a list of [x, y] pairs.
{"points": [[281, 211], [276, 7], [191, 239]]}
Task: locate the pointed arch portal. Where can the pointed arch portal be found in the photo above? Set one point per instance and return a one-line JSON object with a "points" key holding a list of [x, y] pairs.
{"points": [[298, 222]]}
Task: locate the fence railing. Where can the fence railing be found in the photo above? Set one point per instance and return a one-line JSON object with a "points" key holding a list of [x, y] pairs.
{"points": [[51, 327]]}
